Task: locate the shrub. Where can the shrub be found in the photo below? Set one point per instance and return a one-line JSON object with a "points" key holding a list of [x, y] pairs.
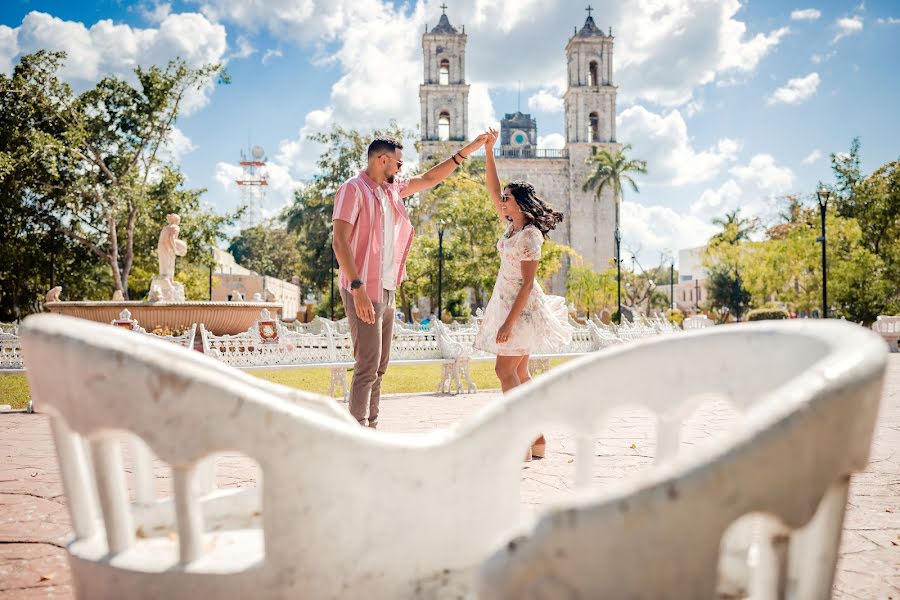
{"points": [[763, 314], [675, 316]]}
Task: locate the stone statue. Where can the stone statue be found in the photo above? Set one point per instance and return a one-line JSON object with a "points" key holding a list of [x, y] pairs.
{"points": [[164, 288], [236, 296], [170, 246], [117, 296], [53, 295]]}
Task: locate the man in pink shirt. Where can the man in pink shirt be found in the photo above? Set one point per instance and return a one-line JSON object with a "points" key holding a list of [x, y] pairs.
{"points": [[372, 237]]}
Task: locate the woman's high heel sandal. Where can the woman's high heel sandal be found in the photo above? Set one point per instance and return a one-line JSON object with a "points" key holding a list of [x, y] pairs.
{"points": [[539, 448]]}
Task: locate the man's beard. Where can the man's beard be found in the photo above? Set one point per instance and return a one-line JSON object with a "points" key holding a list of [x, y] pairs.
{"points": [[390, 179]]}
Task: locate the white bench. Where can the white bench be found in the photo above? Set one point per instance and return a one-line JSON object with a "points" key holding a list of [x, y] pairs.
{"points": [[10, 351], [697, 322], [269, 344], [344, 511], [185, 339], [888, 327]]}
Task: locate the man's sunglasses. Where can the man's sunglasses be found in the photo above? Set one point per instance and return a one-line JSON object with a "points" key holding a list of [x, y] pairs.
{"points": [[399, 162]]}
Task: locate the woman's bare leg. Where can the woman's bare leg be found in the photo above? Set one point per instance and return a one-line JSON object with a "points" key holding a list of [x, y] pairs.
{"points": [[505, 367], [522, 370], [540, 445]]}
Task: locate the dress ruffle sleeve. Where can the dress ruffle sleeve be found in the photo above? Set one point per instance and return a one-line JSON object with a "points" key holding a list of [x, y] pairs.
{"points": [[529, 244]]}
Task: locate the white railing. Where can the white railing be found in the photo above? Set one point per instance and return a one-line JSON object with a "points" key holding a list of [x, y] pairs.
{"points": [[889, 329]]}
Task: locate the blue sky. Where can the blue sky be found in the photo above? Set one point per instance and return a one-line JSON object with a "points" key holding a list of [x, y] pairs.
{"points": [[733, 104]]}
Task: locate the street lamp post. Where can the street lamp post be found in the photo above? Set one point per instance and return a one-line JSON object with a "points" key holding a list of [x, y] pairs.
{"points": [[672, 285], [823, 195], [441, 224], [618, 274]]}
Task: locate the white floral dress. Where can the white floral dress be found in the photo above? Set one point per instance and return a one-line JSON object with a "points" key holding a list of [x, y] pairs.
{"points": [[543, 325]]}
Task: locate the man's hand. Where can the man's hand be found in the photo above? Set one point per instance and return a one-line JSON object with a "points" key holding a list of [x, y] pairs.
{"points": [[363, 304]]}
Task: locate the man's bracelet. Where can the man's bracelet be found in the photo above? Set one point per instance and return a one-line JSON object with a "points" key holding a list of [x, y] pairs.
{"points": [[456, 161]]}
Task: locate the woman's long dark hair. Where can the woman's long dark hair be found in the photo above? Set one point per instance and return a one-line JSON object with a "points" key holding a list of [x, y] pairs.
{"points": [[536, 211]]}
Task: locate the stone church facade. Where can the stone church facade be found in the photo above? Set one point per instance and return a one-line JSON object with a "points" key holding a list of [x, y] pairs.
{"points": [[557, 175]]}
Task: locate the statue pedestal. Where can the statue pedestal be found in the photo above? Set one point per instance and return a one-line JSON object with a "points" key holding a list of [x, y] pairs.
{"points": [[163, 289]]}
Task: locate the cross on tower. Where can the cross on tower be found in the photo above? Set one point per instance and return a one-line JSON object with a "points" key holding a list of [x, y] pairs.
{"points": [[443, 8], [589, 9]]}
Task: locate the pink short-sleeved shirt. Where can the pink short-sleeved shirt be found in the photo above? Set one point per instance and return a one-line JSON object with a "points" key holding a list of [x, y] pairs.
{"points": [[357, 204]]}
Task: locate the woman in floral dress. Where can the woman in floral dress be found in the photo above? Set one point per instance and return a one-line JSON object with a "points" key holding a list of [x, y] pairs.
{"points": [[520, 319]]}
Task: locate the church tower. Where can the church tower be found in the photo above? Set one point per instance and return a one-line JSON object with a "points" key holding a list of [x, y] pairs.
{"points": [[590, 111], [444, 96]]}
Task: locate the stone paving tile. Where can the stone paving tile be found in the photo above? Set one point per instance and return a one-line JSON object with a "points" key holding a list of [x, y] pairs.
{"points": [[34, 521]]}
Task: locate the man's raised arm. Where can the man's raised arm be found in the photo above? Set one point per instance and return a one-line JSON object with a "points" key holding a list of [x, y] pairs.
{"points": [[440, 172]]}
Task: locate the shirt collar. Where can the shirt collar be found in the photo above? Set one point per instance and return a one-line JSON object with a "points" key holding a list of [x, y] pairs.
{"points": [[370, 182]]}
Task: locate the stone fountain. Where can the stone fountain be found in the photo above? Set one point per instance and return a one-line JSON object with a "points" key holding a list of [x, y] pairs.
{"points": [[165, 305]]}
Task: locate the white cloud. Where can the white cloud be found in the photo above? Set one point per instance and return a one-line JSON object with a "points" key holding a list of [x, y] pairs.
{"points": [[177, 146], [655, 229], [692, 108], [796, 90], [753, 188], [847, 26], [244, 49], [664, 143], [552, 141], [546, 101], [108, 48], [664, 51], [888, 21], [812, 157], [9, 48], [381, 64], [807, 14], [157, 13], [764, 174], [270, 54]]}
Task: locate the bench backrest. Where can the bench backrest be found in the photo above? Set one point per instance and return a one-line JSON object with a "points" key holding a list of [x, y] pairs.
{"points": [[350, 511]]}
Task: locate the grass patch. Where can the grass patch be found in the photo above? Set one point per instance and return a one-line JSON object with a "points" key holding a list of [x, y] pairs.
{"points": [[400, 379], [14, 391]]}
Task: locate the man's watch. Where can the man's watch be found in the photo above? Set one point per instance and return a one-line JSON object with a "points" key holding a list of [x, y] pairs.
{"points": [[355, 284]]}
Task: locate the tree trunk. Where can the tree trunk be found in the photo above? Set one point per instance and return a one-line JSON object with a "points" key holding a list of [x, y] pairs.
{"points": [[128, 263], [114, 254]]}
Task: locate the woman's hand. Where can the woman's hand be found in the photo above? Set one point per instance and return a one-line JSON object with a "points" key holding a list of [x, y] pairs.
{"points": [[490, 137], [504, 332]]}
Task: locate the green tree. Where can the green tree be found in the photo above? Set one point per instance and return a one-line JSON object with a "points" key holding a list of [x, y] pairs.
{"points": [[726, 291], [724, 262], [268, 250], [588, 290], [84, 165]]}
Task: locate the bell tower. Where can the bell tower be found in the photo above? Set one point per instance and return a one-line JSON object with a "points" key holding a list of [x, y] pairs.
{"points": [[590, 107], [444, 95]]}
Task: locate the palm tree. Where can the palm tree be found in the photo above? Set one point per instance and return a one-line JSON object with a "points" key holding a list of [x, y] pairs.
{"points": [[609, 169], [735, 228]]}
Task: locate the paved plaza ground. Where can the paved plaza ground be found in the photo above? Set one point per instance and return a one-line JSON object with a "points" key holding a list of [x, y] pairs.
{"points": [[34, 521]]}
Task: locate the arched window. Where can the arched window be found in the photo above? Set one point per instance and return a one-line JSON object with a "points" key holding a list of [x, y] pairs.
{"points": [[445, 72], [594, 127], [592, 74], [444, 126]]}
